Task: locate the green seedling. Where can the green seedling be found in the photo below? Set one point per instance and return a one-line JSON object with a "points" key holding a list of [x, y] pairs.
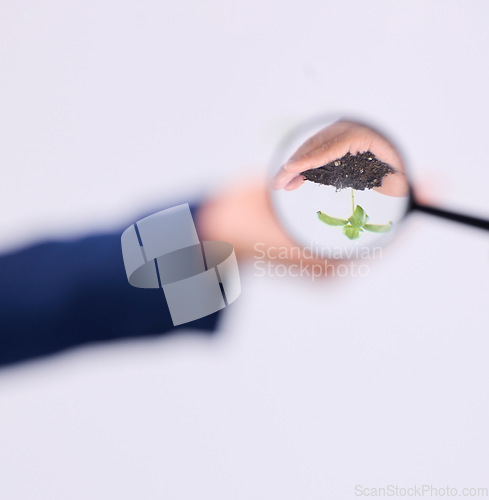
{"points": [[356, 223]]}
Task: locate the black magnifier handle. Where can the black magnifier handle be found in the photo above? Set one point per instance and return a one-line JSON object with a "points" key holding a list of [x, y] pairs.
{"points": [[447, 214]]}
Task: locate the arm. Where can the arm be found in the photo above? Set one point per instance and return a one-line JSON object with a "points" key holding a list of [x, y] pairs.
{"points": [[58, 295]]}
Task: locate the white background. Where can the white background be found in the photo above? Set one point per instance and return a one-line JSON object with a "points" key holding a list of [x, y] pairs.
{"points": [[108, 108]]}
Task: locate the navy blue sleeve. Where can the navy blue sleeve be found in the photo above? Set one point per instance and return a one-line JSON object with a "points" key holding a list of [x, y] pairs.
{"points": [[57, 295]]}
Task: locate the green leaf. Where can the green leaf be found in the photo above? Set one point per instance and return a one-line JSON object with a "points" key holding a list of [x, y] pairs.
{"points": [[352, 232], [331, 221], [378, 228], [358, 218]]}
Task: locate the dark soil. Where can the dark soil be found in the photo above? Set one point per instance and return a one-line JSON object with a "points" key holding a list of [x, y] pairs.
{"points": [[361, 171]]}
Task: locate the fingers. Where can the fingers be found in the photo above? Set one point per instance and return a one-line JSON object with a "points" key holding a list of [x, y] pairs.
{"points": [[332, 143], [295, 183], [282, 178], [322, 137], [326, 153], [311, 147], [323, 154]]}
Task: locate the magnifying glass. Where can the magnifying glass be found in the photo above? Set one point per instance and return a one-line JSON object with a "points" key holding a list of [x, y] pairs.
{"points": [[340, 188]]}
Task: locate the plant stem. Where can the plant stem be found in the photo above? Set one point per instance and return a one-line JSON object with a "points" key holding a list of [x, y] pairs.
{"points": [[352, 201]]}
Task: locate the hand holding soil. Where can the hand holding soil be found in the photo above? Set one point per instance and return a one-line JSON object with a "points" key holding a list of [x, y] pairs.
{"points": [[345, 154]]}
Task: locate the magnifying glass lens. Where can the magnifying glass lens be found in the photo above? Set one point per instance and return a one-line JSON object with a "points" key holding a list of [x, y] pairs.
{"points": [[339, 187]]}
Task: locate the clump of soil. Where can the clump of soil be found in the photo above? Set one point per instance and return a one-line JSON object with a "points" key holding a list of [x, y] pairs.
{"points": [[361, 171]]}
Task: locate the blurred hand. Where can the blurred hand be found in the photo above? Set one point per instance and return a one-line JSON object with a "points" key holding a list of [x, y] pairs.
{"points": [[241, 214], [335, 141]]}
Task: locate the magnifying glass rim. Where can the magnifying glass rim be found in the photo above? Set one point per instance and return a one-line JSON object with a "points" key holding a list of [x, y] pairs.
{"points": [[328, 120]]}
